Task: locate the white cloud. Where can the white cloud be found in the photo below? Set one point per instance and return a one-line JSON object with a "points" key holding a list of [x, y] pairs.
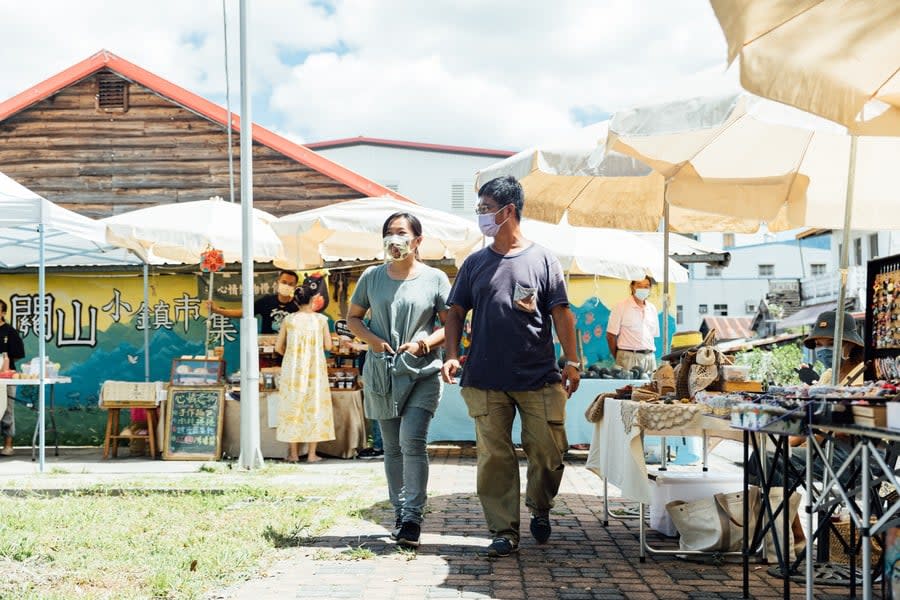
{"points": [[504, 73]]}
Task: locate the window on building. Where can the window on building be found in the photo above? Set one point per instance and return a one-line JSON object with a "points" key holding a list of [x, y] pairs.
{"points": [[112, 93], [720, 310], [873, 246], [857, 251], [727, 240], [703, 309], [766, 270], [679, 314], [816, 269], [713, 271], [750, 307]]}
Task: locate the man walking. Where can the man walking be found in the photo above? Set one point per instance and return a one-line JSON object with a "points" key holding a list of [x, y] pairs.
{"points": [[516, 290]]}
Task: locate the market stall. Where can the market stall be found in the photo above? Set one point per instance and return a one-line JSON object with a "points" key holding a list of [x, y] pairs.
{"points": [[346, 403]]}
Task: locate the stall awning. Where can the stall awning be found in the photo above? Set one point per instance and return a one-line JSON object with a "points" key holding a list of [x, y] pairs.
{"points": [[806, 315]]}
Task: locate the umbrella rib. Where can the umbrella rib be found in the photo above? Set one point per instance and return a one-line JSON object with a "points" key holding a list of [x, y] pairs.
{"points": [[779, 24], [580, 192]]}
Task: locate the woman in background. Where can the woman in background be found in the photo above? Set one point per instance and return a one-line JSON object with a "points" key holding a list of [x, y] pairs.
{"points": [[304, 412]]}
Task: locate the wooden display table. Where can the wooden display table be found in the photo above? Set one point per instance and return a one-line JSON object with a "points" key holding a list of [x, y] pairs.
{"points": [[349, 427], [118, 395]]}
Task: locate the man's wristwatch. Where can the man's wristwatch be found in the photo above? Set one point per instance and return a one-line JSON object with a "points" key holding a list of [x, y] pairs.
{"points": [[572, 363]]}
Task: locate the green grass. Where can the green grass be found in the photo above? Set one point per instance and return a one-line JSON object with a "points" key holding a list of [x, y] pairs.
{"points": [[159, 544]]}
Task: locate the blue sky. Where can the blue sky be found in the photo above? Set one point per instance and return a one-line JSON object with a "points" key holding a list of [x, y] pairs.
{"points": [[493, 73]]}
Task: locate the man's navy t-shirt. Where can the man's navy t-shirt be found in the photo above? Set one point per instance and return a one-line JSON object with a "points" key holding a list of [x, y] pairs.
{"points": [[511, 298], [273, 311]]}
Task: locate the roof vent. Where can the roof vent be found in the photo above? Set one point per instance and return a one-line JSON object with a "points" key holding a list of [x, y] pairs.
{"points": [[112, 93]]}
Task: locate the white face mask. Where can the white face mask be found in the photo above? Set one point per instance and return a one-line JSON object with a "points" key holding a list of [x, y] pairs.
{"points": [[642, 293], [400, 244], [285, 290], [487, 225]]}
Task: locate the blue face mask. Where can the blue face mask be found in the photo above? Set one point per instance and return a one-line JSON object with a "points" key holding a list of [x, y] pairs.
{"points": [[825, 354]]}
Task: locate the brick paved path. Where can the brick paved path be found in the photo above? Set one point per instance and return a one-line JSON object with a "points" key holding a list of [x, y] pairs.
{"points": [[582, 561]]}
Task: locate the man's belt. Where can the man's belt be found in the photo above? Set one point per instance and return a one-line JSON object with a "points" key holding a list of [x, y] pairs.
{"points": [[636, 351]]}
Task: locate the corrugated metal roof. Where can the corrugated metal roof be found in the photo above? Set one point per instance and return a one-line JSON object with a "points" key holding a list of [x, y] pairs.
{"points": [[728, 328]]}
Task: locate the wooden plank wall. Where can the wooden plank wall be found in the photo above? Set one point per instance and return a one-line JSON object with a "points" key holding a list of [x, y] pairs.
{"points": [[100, 163]]}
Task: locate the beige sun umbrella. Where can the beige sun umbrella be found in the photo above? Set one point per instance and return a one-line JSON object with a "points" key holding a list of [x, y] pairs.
{"points": [[800, 162], [839, 59]]}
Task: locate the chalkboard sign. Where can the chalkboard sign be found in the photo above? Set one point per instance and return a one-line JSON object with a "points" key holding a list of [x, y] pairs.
{"points": [[194, 423]]}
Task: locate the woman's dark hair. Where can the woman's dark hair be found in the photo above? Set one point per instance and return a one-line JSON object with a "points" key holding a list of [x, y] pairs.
{"points": [[413, 221]]}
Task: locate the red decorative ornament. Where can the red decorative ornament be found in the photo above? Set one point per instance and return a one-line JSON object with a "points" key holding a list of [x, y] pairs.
{"points": [[212, 261]]}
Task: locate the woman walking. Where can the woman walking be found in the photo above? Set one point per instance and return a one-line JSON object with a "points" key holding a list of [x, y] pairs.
{"points": [[304, 412], [407, 302]]}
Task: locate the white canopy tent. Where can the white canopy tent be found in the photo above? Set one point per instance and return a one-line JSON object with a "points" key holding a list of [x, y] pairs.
{"points": [[597, 251], [39, 233]]}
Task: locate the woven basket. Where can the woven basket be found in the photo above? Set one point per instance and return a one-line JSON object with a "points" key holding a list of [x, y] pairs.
{"points": [[837, 552]]}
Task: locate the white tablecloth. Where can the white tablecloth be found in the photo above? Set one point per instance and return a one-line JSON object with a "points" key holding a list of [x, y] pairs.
{"points": [[617, 449]]}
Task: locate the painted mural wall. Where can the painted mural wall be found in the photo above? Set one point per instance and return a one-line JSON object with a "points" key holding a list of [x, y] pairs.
{"points": [[95, 330], [592, 299]]}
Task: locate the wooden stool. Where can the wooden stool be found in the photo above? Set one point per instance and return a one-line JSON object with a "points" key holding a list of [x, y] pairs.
{"points": [[113, 432]]}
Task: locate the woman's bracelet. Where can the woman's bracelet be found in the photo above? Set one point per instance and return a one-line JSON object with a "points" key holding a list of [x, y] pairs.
{"points": [[424, 348]]}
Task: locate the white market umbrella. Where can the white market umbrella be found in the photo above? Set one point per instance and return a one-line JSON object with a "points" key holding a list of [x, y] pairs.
{"points": [[597, 251], [839, 59], [351, 230], [182, 231], [790, 169]]}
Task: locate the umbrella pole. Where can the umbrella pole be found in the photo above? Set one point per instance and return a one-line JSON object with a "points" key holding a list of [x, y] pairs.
{"points": [[845, 259], [209, 317], [146, 322], [665, 306]]}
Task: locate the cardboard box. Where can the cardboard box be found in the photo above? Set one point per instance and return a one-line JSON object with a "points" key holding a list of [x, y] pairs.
{"points": [[742, 386], [869, 415]]}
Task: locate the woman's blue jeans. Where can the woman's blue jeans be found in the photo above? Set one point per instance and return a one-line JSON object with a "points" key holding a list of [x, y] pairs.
{"points": [[406, 462]]}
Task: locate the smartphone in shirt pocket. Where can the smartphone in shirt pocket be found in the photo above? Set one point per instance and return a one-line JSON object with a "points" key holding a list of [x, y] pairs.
{"points": [[525, 298]]}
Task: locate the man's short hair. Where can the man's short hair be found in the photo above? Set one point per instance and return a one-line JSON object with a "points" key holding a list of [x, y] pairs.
{"points": [[503, 191], [3, 307], [291, 273]]}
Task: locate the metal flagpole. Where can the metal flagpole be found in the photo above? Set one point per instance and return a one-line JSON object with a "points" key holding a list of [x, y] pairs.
{"points": [[251, 454], [42, 349]]}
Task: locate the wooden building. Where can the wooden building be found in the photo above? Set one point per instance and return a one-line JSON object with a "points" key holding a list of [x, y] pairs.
{"points": [[105, 136]]}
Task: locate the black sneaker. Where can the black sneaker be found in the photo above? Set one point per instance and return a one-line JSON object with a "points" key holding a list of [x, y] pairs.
{"points": [[409, 534], [540, 528], [501, 547], [398, 524]]}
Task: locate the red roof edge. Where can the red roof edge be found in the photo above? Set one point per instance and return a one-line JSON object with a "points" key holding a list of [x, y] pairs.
{"points": [[353, 141], [202, 106]]}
